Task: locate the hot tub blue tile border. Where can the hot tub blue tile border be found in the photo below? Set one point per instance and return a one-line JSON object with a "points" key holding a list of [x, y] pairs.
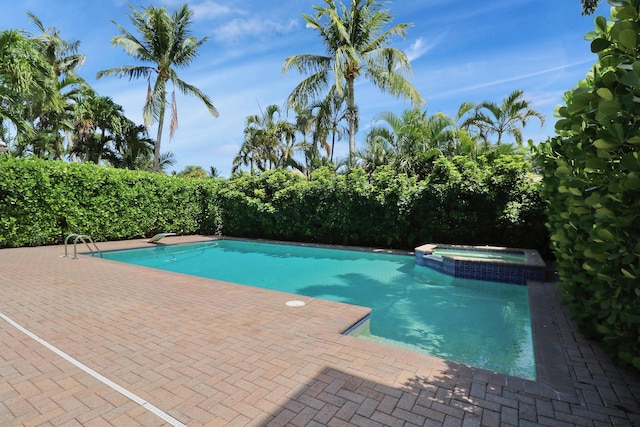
{"points": [[480, 270]]}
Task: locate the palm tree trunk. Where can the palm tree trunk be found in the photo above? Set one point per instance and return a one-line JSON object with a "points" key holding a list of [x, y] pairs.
{"points": [[352, 120], [333, 143], [156, 150], [101, 146], [70, 144]]}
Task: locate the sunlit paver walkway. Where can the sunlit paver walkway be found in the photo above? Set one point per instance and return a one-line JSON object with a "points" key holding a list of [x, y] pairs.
{"points": [[202, 352]]}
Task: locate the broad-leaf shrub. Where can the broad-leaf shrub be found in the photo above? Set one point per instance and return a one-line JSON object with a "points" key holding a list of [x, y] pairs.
{"points": [[592, 185], [42, 202], [460, 202]]}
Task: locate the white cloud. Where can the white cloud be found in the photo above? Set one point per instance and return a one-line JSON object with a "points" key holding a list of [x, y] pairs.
{"points": [[212, 10], [239, 28], [419, 48], [510, 79]]}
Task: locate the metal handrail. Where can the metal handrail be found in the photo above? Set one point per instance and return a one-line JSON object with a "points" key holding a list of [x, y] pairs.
{"points": [[81, 238]]}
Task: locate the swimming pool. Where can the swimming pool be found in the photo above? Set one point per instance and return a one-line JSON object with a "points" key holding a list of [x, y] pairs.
{"points": [[474, 322]]}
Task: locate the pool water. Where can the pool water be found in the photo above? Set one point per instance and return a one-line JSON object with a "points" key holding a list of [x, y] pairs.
{"points": [[478, 254], [474, 322]]}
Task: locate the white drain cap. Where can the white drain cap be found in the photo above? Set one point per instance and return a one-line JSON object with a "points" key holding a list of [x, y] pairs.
{"points": [[295, 303]]}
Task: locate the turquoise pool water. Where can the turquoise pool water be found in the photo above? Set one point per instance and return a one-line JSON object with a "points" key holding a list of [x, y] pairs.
{"points": [[482, 255], [474, 322]]}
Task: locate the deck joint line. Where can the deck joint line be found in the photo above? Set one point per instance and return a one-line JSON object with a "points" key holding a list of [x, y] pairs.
{"points": [[132, 396]]}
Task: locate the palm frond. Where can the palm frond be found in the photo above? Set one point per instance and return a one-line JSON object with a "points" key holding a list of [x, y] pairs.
{"points": [[189, 89], [309, 88], [130, 71]]}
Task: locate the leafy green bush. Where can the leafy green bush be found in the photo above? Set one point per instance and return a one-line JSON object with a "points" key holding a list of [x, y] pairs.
{"points": [[460, 202], [42, 202], [592, 184]]}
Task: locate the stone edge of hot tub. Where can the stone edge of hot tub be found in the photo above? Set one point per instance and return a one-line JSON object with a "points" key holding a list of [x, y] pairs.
{"points": [[533, 269]]}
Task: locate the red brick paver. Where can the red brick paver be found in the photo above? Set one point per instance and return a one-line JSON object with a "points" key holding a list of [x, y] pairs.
{"points": [[212, 353]]}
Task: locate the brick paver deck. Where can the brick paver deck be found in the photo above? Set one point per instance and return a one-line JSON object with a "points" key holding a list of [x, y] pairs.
{"points": [[211, 353]]}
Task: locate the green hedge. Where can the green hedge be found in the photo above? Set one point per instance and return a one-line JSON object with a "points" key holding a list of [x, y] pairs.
{"points": [[592, 183], [461, 202], [42, 202]]}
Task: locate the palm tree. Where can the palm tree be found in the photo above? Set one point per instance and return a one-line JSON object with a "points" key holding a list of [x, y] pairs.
{"points": [[132, 146], [26, 83], [331, 112], [356, 45], [166, 43], [247, 156], [63, 55], [99, 120], [379, 151], [269, 142], [167, 159], [304, 123], [192, 171], [414, 139], [488, 118], [64, 58], [51, 122]]}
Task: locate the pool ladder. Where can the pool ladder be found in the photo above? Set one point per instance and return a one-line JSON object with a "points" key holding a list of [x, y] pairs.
{"points": [[86, 239]]}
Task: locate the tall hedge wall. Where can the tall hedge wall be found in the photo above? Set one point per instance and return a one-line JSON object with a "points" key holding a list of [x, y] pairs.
{"points": [[42, 202], [592, 183], [461, 202]]}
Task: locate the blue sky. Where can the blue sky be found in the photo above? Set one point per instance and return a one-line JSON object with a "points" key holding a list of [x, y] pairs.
{"points": [[460, 51]]}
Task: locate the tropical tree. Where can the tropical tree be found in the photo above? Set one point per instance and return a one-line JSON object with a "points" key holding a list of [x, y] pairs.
{"points": [[167, 159], [269, 142], [414, 139], [247, 156], [356, 45], [26, 83], [378, 151], [132, 146], [589, 6], [165, 41], [304, 123], [331, 112], [508, 118], [98, 122], [62, 54], [53, 120], [192, 171]]}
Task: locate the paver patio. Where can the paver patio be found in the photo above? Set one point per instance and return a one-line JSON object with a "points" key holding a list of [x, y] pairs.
{"points": [[205, 352]]}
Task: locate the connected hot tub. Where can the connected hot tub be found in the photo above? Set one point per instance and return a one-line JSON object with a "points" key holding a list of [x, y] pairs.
{"points": [[497, 264]]}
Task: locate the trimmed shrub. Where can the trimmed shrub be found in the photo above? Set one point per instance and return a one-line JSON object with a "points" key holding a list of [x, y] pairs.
{"points": [[592, 184], [460, 202], [42, 202]]}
